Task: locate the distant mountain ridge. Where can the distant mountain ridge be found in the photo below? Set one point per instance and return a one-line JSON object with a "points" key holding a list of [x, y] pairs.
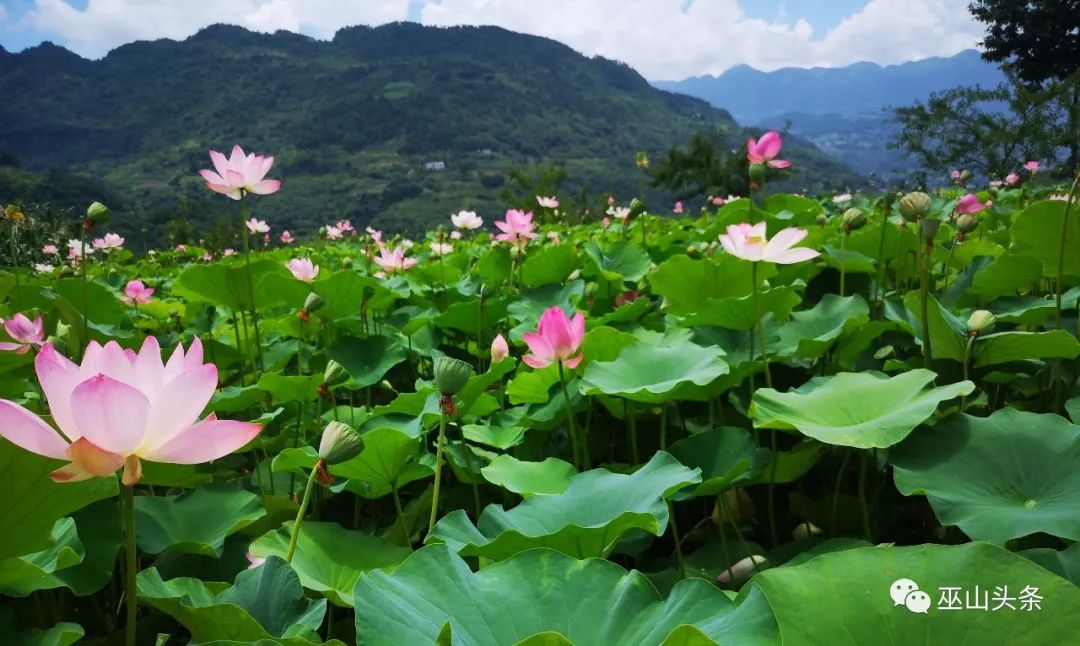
{"points": [[752, 96], [844, 110], [358, 124]]}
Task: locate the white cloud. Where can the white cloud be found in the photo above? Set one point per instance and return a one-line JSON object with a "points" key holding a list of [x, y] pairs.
{"points": [[657, 37], [105, 24], [663, 42], [3, 12]]}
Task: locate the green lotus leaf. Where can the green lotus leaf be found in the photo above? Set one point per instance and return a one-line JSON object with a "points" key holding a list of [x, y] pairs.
{"points": [[654, 374], [1003, 347], [812, 332], [367, 360], [544, 597], [997, 478], [527, 478], [1064, 563], [330, 558], [32, 502], [725, 456], [266, 602], [807, 598], [21, 575], [621, 260], [685, 283], [1029, 235], [196, 521], [499, 437], [62, 634], [597, 508], [549, 265], [737, 312], [862, 410]]}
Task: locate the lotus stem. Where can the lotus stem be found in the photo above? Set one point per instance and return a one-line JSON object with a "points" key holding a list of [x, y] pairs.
{"points": [[300, 514], [863, 459], [86, 292], [836, 493], [922, 262], [634, 456], [967, 359], [438, 468], [726, 511], [15, 268], [678, 542], [1061, 252], [881, 260], [131, 592], [250, 282], [570, 419], [843, 263]]}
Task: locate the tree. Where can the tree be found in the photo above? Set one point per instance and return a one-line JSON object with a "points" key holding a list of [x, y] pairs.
{"points": [[988, 131], [703, 168], [1039, 42]]}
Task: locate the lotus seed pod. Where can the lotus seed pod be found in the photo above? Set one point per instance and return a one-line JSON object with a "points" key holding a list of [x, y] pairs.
{"points": [[339, 443], [853, 219], [757, 173], [98, 214], [313, 303], [742, 569], [914, 206], [980, 321], [967, 223], [821, 219], [451, 375]]}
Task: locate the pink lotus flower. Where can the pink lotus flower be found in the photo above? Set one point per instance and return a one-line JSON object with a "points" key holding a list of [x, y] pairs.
{"points": [[547, 202], [25, 332], [228, 252], [75, 249], [50, 250], [455, 235], [119, 407], [748, 242], [517, 229], [619, 213], [109, 241], [135, 292], [43, 268], [254, 561], [240, 174], [970, 204], [719, 201], [345, 226], [955, 175], [441, 248], [678, 207], [765, 150], [207, 256], [606, 222], [375, 235], [303, 269], [1032, 167], [393, 261], [557, 339], [1012, 179], [499, 349], [257, 226], [286, 237], [553, 236], [332, 232], [610, 200], [181, 248]]}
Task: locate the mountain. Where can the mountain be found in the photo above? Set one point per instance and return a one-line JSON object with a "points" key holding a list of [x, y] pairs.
{"points": [[358, 124], [844, 111]]}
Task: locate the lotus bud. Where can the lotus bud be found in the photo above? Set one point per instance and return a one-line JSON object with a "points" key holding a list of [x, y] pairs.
{"points": [[97, 214], [980, 321], [928, 229], [821, 219], [313, 303], [757, 173], [574, 275], [335, 373], [637, 207], [347, 263], [967, 222], [806, 530], [499, 349], [743, 569], [915, 206], [339, 443], [965, 175], [642, 160], [853, 219], [451, 375]]}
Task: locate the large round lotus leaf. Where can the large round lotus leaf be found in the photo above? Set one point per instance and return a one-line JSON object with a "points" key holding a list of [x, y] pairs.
{"points": [[1029, 234], [1004, 347], [549, 265], [527, 478], [542, 592], [266, 602], [812, 332], [329, 558], [1064, 563], [588, 519], [654, 374], [1000, 477], [863, 410], [725, 456], [196, 521], [367, 360], [32, 502], [738, 313], [22, 575], [844, 598], [623, 261]]}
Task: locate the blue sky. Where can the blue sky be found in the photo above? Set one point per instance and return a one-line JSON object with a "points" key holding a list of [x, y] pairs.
{"points": [[664, 39]]}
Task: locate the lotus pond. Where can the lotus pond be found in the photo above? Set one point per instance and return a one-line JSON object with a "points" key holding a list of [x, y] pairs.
{"points": [[781, 420]]}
